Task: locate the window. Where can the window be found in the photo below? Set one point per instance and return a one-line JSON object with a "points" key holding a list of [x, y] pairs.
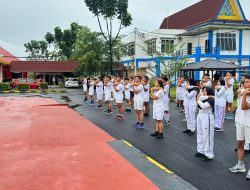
{"points": [[131, 49], [226, 41], [189, 48], [151, 46], [167, 46]]}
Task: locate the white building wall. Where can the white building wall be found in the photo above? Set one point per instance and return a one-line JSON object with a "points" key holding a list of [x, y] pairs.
{"points": [[246, 42]]}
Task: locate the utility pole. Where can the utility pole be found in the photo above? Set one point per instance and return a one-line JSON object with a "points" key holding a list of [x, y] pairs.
{"points": [[135, 33]]}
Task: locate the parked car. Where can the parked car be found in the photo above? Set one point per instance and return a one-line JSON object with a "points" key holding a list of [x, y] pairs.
{"points": [[33, 84], [71, 83]]}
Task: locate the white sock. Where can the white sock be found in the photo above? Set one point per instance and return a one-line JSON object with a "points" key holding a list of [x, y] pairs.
{"points": [[241, 163]]}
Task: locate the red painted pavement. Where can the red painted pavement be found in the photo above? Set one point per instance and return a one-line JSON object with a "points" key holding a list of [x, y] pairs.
{"points": [[54, 148]]}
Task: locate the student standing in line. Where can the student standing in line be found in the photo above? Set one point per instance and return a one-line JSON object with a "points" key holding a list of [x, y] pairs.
{"points": [[220, 105], [205, 125], [182, 87], [127, 87], [131, 80], [190, 106], [107, 92], [138, 102], [146, 97], [99, 92], [158, 109], [118, 88], [230, 95], [91, 91], [243, 128], [166, 99], [113, 81], [85, 88], [178, 93]]}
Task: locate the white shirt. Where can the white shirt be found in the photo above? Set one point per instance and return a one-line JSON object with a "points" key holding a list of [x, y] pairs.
{"points": [[108, 88], [243, 116], [159, 102], [120, 89], [140, 94], [220, 96], [91, 86], [127, 87], [99, 87], [146, 93], [231, 88], [131, 87], [85, 83], [190, 98], [166, 93]]}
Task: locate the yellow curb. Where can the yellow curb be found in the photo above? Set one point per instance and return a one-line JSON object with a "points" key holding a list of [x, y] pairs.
{"points": [[127, 143], [27, 91], [6, 91], [158, 165], [17, 91]]}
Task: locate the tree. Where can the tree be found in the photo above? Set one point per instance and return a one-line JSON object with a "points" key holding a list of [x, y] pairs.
{"points": [[37, 50], [90, 52], [111, 11]]}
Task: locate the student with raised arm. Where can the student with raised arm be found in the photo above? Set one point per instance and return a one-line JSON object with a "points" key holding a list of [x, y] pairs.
{"points": [[138, 102], [91, 91], [158, 109], [230, 95], [205, 125], [127, 87], [99, 92], [107, 93], [118, 88], [243, 128], [146, 97]]}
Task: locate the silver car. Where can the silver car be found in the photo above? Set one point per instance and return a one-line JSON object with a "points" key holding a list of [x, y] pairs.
{"points": [[71, 83]]}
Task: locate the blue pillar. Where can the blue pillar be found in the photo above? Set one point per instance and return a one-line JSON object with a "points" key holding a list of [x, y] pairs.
{"points": [[217, 53], [240, 51], [197, 59], [158, 67], [211, 40], [137, 64]]}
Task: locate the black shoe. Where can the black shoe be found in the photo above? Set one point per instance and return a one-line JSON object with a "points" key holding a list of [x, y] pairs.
{"points": [[191, 133], [155, 134], [146, 115], [205, 158], [199, 155], [160, 136], [109, 112], [236, 150], [246, 151], [187, 131]]}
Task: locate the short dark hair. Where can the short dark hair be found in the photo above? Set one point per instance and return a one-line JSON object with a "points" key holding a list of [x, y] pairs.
{"points": [[146, 77], [138, 77], [247, 76], [222, 82], [192, 82], [165, 78], [160, 83], [207, 74], [126, 78], [109, 77]]}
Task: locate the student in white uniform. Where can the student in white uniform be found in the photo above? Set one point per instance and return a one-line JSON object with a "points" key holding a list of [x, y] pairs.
{"points": [[146, 97], [243, 128], [118, 88], [138, 102], [85, 88], [178, 93], [113, 80], [230, 95], [127, 87], [220, 105], [182, 88], [166, 99], [91, 91], [158, 109], [131, 80], [190, 106], [107, 93], [205, 125], [205, 82], [99, 92]]}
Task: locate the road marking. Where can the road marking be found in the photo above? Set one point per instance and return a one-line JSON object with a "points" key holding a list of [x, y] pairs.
{"points": [[152, 160], [127, 143], [158, 164]]}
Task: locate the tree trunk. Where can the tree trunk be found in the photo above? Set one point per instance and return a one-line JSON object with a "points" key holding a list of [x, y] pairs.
{"points": [[111, 57]]}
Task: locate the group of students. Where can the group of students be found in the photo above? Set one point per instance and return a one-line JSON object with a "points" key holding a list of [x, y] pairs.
{"points": [[215, 103], [134, 91]]}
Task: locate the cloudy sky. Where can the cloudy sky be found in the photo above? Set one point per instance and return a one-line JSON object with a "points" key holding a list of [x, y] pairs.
{"points": [[23, 20]]}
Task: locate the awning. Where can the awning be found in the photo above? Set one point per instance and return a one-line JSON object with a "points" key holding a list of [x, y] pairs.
{"points": [[4, 62], [210, 65]]}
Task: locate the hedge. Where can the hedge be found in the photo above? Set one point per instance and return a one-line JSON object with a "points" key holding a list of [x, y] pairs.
{"points": [[43, 85], [4, 86], [60, 84], [23, 87]]}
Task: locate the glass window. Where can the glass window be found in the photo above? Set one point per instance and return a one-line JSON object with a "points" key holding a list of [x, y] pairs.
{"points": [[167, 46], [131, 49], [151, 46], [226, 41]]}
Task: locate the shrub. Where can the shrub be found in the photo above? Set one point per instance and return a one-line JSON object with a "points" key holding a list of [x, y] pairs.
{"points": [[23, 87], [236, 87], [60, 84], [4, 86], [43, 85]]}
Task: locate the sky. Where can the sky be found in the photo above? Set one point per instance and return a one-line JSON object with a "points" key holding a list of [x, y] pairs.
{"points": [[25, 20]]}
